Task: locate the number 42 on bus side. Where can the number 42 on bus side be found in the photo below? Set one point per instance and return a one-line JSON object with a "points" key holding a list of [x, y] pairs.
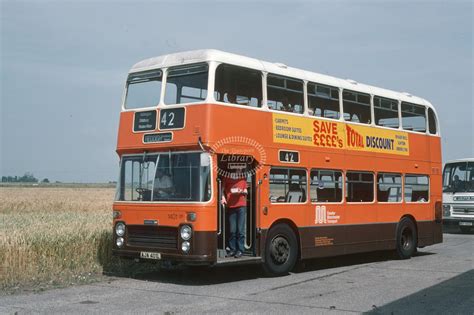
{"points": [[289, 156]]}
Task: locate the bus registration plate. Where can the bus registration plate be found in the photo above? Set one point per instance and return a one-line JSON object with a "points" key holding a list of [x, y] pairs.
{"points": [[150, 255], [465, 223]]}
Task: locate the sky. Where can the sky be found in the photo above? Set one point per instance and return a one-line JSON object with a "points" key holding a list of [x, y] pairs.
{"points": [[64, 64]]}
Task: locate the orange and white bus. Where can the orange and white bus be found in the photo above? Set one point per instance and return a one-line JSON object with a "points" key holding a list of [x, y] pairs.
{"points": [[332, 166]]}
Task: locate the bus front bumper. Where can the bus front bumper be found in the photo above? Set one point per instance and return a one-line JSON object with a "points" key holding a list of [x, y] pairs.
{"points": [[164, 244], [178, 258], [459, 221]]}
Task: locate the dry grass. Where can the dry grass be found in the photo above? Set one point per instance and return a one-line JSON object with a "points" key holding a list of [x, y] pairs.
{"points": [[53, 236]]}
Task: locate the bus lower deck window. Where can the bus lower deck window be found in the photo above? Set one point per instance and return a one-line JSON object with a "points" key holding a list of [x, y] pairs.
{"points": [[326, 186], [416, 188], [359, 187], [389, 187], [287, 185]]}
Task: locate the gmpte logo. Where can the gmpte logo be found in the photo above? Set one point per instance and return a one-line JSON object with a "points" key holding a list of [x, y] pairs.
{"points": [[323, 216]]}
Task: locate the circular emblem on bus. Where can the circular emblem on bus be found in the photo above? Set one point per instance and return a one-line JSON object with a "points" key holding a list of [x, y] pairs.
{"points": [[238, 156]]}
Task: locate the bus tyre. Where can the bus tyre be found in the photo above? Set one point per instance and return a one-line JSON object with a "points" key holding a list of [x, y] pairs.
{"points": [[281, 250], [407, 239]]}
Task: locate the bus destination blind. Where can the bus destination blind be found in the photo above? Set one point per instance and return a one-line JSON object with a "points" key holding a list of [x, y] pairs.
{"points": [[145, 121]]}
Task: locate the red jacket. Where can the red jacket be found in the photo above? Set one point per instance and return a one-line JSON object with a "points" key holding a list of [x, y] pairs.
{"points": [[235, 200]]}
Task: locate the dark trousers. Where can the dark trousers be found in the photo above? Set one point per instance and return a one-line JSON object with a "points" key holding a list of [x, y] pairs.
{"points": [[237, 228]]}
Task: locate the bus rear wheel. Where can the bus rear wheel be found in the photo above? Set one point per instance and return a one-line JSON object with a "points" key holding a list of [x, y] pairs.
{"points": [[407, 239], [281, 250]]}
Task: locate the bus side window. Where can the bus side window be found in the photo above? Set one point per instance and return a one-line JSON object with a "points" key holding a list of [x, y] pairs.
{"points": [[323, 101], [237, 85], [389, 187], [432, 121], [356, 106], [359, 187], [413, 117], [326, 186], [386, 112], [287, 185], [417, 188], [285, 94]]}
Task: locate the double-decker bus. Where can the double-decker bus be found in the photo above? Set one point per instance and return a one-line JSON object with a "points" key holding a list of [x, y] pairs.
{"points": [[458, 194], [332, 166]]}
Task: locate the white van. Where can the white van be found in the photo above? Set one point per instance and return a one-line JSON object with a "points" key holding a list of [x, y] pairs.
{"points": [[458, 194]]}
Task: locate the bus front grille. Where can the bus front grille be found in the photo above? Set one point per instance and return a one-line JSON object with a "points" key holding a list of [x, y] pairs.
{"points": [[466, 210], [152, 236]]}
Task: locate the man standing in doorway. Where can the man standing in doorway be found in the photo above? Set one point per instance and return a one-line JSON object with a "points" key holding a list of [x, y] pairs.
{"points": [[235, 197]]}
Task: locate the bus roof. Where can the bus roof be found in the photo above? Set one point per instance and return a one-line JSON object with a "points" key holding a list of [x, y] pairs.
{"points": [[205, 55]]}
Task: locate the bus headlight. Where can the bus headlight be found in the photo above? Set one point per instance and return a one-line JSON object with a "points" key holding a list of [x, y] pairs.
{"points": [[186, 232], [185, 246], [119, 242], [120, 229], [446, 210]]}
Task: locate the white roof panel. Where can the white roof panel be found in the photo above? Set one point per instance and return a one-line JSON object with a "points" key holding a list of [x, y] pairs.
{"points": [[205, 55]]}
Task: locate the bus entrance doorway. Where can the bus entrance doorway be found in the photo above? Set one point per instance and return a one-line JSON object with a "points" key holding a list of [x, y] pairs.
{"points": [[230, 168]]}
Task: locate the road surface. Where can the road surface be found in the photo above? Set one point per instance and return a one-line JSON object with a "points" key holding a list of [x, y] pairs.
{"points": [[440, 279]]}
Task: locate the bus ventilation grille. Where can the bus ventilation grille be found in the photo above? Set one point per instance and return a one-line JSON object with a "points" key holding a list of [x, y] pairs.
{"points": [[152, 236]]}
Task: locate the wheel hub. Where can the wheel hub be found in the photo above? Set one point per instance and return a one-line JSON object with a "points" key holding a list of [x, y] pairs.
{"points": [[280, 250], [406, 239]]}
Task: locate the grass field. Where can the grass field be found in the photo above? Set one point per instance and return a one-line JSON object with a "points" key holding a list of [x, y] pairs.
{"points": [[52, 236]]}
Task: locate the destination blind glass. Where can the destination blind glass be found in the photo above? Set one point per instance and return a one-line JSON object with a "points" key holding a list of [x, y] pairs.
{"points": [[145, 121]]}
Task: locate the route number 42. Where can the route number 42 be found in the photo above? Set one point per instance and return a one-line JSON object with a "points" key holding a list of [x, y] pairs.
{"points": [[289, 156], [168, 120], [172, 118]]}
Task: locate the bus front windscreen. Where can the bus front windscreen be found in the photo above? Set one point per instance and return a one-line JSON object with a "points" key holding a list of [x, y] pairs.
{"points": [[458, 177], [143, 89], [173, 177]]}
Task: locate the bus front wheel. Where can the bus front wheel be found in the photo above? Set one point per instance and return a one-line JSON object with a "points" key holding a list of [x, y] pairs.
{"points": [[407, 239], [281, 250]]}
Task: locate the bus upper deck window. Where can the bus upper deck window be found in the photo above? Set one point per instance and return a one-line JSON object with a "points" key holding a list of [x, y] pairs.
{"points": [[413, 117], [143, 89], [186, 84], [432, 121], [386, 112], [323, 101], [356, 107], [285, 94], [237, 85]]}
